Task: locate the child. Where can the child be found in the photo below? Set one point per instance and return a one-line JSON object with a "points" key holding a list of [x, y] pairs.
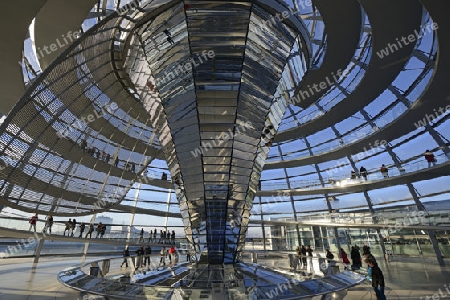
{"points": [[377, 280]]}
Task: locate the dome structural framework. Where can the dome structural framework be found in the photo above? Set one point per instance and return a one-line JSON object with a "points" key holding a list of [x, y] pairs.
{"points": [[246, 88]]}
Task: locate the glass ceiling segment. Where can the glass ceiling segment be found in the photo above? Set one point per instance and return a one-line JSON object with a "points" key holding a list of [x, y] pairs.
{"points": [[384, 118], [334, 95]]}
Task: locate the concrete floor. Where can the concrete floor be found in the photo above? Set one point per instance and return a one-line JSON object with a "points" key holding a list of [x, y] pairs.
{"points": [[406, 278], [20, 281]]}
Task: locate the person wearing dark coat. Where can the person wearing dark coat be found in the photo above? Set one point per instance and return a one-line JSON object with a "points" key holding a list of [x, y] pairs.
{"points": [[303, 255], [126, 254], [147, 253], [140, 254], [377, 280], [356, 257], [366, 249]]}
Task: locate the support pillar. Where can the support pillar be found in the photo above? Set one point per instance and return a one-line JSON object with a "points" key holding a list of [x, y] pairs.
{"points": [[37, 252], [338, 243], [431, 233]]}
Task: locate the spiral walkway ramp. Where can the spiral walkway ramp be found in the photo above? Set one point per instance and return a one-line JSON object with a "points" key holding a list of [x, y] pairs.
{"points": [[231, 122]]}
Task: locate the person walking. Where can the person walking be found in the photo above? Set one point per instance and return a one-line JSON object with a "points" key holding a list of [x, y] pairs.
{"points": [[116, 162], [67, 228], [90, 231], [33, 220], [82, 227], [155, 233], [126, 254], [429, 157], [48, 224], [74, 227], [344, 257], [377, 280]]}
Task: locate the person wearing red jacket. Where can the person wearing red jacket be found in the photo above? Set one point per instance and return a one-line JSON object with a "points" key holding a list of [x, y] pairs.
{"points": [[429, 157], [33, 221], [171, 253], [344, 257]]}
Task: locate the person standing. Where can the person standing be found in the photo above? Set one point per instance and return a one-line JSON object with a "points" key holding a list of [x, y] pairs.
{"points": [[363, 172], [330, 262], [356, 257], [162, 253], [116, 162], [155, 233], [33, 220], [329, 255], [141, 236], [140, 254], [429, 157], [296, 261], [103, 230], [99, 229], [366, 249], [309, 254], [384, 171], [171, 254], [377, 280], [160, 237], [172, 237], [82, 227], [147, 253], [303, 256], [83, 145]]}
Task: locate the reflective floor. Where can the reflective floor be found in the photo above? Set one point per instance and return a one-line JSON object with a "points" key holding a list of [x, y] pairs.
{"points": [[406, 278]]}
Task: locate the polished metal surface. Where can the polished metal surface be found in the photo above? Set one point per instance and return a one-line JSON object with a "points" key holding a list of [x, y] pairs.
{"points": [[202, 281], [212, 100]]}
